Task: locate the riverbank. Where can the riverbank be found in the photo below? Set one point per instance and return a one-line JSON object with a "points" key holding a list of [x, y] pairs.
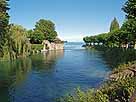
{"points": [[121, 85]]}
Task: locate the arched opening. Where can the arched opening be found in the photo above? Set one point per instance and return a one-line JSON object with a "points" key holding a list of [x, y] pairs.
{"points": [[46, 46]]}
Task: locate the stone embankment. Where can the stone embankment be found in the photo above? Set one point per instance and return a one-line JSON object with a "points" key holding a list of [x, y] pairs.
{"points": [[52, 46]]}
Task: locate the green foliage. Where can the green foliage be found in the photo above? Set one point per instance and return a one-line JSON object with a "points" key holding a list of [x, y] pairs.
{"points": [[18, 43], [88, 96], [86, 40], [120, 90], [114, 25], [4, 21], [116, 38], [101, 38], [110, 39], [119, 37], [13, 41], [35, 37], [124, 86], [44, 30], [13, 38], [129, 27], [130, 9]]}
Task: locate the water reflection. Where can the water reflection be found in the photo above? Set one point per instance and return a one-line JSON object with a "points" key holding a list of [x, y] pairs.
{"points": [[46, 61], [116, 56], [12, 74]]}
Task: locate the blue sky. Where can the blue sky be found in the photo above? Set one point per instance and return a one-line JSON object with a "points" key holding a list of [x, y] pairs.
{"points": [[74, 19]]}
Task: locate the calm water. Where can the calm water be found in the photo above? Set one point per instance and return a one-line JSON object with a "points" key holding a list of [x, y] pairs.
{"points": [[44, 77]]}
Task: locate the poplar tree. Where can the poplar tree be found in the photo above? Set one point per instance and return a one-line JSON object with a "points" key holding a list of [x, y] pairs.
{"points": [[114, 25]]}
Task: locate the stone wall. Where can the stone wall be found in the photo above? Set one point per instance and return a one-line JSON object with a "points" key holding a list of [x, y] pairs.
{"points": [[52, 46]]}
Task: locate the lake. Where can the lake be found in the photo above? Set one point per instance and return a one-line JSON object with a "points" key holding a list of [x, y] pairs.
{"points": [[44, 77]]}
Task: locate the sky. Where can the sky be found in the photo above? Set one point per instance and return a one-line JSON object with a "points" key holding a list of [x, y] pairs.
{"points": [[74, 19]]}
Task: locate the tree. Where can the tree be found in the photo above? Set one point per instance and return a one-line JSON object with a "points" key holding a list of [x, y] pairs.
{"points": [[35, 37], [86, 40], [130, 28], [29, 33], [46, 30], [130, 9], [19, 43], [4, 21], [130, 25], [102, 38], [114, 25]]}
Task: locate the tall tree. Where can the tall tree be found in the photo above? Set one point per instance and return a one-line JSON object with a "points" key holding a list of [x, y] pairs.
{"points": [[4, 21], [114, 25], [36, 37], [130, 9], [130, 25], [46, 28]]}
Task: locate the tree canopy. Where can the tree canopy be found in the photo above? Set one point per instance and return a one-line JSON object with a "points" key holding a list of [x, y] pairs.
{"points": [[44, 30], [130, 24], [130, 9]]}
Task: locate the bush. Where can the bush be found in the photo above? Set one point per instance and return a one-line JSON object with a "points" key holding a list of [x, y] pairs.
{"points": [[36, 47]]}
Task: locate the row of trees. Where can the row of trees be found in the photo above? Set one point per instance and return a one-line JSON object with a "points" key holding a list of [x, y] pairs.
{"points": [[15, 39], [123, 36]]}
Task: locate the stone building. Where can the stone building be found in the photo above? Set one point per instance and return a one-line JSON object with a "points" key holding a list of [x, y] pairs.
{"points": [[52, 45]]}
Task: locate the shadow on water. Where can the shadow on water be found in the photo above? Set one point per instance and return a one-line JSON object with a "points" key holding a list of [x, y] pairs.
{"points": [[116, 56]]}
